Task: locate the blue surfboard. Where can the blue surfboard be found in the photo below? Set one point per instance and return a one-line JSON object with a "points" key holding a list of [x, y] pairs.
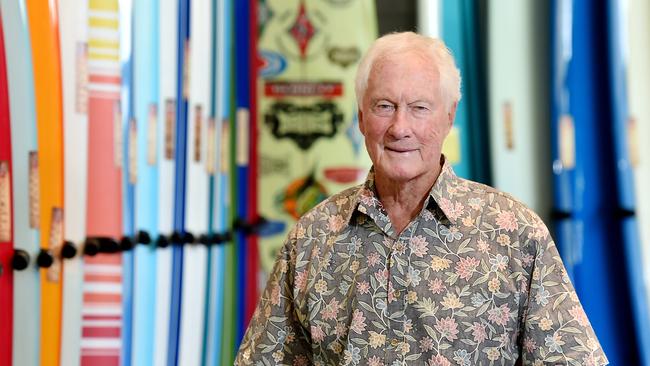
{"points": [[621, 124], [466, 146], [216, 335], [583, 165], [179, 180], [242, 128], [145, 94], [129, 173]]}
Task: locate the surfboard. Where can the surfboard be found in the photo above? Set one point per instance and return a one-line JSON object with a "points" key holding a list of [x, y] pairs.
{"points": [[73, 35], [167, 41], [638, 87], [622, 131], [6, 214], [229, 333], [129, 169], [219, 189], [25, 186], [252, 253], [196, 198], [583, 164], [102, 309], [240, 181], [466, 146], [43, 23], [519, 102], [145, 79], [182, 94], [308, 70]]}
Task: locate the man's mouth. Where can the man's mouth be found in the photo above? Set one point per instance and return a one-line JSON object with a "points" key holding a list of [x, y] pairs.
{"points": [[399, 149]]}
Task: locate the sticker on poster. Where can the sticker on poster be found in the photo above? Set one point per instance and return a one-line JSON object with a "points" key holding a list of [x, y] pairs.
{"points": [[81, 83], [211, 158], [34, 192], [344, 56], [303, 40], [274, 166], [273, 64], [301, 195], [303, 124], [152, 135], [5, 202], [198, 120], [133, 151], [283, 89], [118, 139], [170, 128], [53, 273]]}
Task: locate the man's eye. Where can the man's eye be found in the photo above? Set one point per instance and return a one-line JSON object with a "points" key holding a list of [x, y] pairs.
{"points": [[385, 107]]}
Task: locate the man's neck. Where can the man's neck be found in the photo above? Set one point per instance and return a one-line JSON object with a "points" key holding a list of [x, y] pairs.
{"points": [[403, 200]]}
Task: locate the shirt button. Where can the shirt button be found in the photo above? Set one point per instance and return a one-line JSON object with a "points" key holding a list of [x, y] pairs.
{"points": [[394, 342]]}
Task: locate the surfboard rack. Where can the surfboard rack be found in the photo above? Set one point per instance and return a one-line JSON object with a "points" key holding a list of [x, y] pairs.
{"points": [[20, 260], [68, 250], [560, 214], [44, 259], [624, 212]]}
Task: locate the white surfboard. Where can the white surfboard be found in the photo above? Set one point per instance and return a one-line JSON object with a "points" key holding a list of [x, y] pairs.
{"points": [[519, 112], [197, 184], [23, 128], [73, 36], [638, 83], [168, 34]]}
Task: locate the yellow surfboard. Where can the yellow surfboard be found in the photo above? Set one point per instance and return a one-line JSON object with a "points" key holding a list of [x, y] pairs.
{"points": [[43, 28]]}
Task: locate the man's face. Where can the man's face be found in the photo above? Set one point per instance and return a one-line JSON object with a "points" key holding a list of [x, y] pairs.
{"points": [[404, 118]]}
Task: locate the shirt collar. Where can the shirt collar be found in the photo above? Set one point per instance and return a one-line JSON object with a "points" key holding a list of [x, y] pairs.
{"points": [[365, 198]]}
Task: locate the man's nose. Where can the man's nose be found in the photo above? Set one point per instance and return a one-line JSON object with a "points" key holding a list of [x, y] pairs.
{"points": [[400, 125]]}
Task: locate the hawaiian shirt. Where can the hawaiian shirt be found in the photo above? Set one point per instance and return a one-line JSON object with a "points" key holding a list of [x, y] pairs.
{"points": [[474, 279]]}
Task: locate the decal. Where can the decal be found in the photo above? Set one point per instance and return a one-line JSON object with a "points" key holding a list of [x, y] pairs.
{"points": [[282, 89], [303, 124], [344, 56], [302, 195], [273, 64]]}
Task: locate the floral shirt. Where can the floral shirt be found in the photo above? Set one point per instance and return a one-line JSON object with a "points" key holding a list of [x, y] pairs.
{"points": [[474, 279]]}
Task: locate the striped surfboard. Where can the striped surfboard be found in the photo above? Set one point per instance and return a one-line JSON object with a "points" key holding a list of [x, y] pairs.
{"points": [[101, 341]]}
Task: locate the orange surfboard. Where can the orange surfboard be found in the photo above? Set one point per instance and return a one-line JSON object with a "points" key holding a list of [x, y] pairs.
{"points": [[43, 28]]}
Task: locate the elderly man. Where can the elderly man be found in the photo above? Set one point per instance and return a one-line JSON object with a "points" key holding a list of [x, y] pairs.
{"points": [[416, 265]]}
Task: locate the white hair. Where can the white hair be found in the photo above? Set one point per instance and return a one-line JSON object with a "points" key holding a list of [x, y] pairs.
{"points": [[400, 43]]}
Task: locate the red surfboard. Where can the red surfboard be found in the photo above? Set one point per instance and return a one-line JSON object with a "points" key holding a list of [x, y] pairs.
{"points": [[6, 235]]}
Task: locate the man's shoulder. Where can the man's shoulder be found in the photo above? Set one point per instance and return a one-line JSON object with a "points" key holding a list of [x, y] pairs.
{"points": [[497, 204], [340, 204]]}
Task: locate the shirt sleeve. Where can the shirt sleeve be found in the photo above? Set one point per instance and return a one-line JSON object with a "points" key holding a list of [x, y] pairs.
{"points": [[555, 327], [275, 335]]}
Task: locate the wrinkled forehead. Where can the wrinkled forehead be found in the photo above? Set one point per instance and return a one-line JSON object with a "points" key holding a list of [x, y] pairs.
{"points": [[419, 68]]}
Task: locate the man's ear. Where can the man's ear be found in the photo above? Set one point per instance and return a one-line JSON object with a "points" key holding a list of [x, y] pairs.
{"points": [[451, 115], [362, 124]]}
